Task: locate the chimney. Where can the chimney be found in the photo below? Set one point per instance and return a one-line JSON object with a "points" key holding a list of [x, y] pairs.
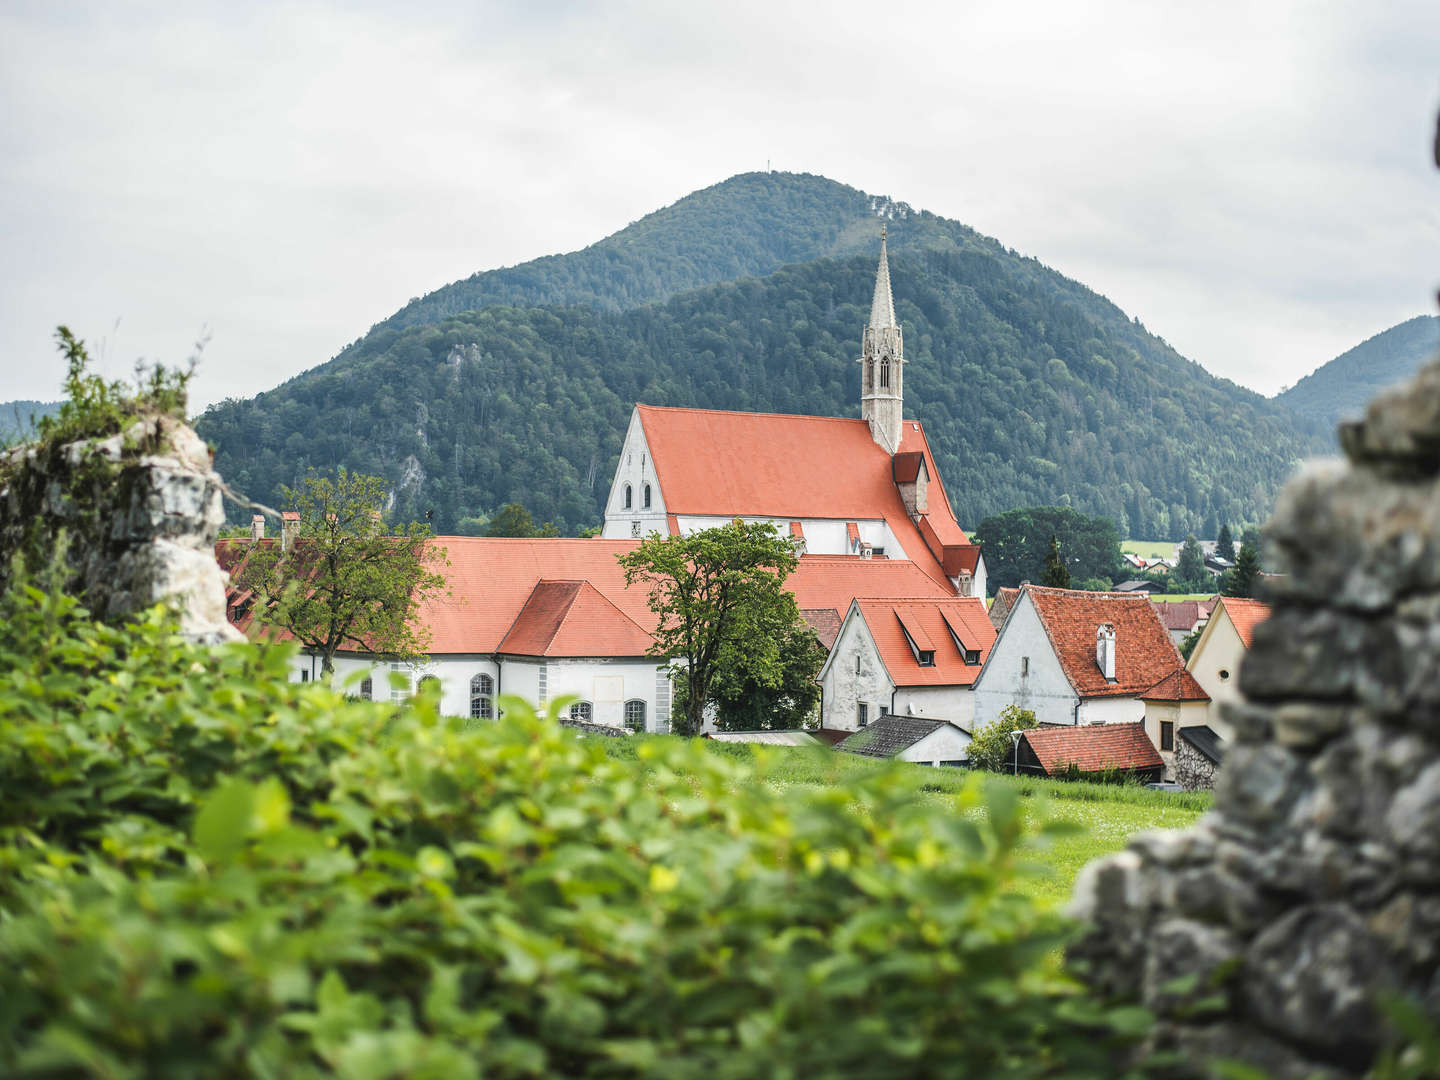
{"points": [[867, 550], [289, 527], [257, 527], [1105, 650]]}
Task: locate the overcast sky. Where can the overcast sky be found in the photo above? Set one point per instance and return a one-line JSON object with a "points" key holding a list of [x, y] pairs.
{"points": [[1251, 180]]}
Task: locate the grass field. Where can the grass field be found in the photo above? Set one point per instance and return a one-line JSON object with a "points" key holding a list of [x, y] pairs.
{"points": [[1149, 549], [1107, 814]]}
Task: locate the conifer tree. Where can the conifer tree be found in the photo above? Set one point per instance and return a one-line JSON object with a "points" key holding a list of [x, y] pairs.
{"points": [[1240, 582], [1055, 576], [1190, 571], [1225, 544]]}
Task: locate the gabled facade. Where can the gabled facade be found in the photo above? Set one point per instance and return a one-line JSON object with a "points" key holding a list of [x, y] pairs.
{"points": [[916, 657], [1075, 658], [918, 740], [1215, 660], [867, 487], [1173, 705]]}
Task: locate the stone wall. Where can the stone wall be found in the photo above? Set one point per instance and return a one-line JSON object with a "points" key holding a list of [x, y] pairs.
{"points": [[1193, 770], [1314, 885], [140, 512]]}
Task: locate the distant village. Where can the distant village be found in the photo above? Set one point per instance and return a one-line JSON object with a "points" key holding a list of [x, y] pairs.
{"points": [[917, 664]]}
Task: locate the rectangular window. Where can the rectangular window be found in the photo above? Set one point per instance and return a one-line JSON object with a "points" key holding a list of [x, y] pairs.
{"points": [[1167, 735], [927, 658], [304, 675], [864, 714], [884, 710], [1024, 666], [399, 690], [972, 656]]}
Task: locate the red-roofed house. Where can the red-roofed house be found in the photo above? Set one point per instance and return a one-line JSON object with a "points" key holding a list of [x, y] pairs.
{"points": [[915, 656], [1172, 705], [864, 487], [1215, 660], [1076, 658], [1054, 751]]}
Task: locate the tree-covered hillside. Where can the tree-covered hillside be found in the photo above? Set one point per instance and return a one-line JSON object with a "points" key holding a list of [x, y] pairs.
{"points": [[18, 418], [1343, 387], [1034, 390]]}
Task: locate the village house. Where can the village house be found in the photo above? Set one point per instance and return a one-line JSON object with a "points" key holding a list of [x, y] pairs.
{"points": [[1075, 658], [917, 657], [1097, 749], [1175, 709], [918, 740], [1183, 617], [1215, 660]]}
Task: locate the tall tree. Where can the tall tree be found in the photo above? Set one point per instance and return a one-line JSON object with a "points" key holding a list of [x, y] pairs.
{"points": [[513, 519], [744, 703], [1015, 544], [1225, 544], [338, 578], [1055, 576], [723, 607], [1240, 582], [1190, 571]]}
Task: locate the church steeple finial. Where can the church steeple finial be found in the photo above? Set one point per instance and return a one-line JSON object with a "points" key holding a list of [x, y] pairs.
{"points": [[882, 309], [882, 363]]}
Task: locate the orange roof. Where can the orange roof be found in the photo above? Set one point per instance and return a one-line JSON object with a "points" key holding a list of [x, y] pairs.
{"points": [[931, 619], [825, 622], [1144, 653], [1094, 747], [1180, 686], [571, 618], [832, 581], [782, 466], [1246, 615], [1000, 607]]}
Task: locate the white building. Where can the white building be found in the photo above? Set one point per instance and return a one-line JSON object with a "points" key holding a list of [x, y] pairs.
{"points": [[1215, 660], [911, 738], [1075, 657], [915, 657]]}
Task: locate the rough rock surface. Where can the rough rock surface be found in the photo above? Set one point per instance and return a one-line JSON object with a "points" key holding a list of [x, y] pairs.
{"points": [[1265, 933], [140, 512]]}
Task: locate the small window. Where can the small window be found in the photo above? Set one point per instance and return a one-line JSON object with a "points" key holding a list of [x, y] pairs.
{"points": [[1024, 666], [482, 701], [972, 656], [582, 711], [367, 688], [857, 663], [304, 675], [629, 497], [635, 715], [647, 496], [927, 657], [884, 710], [877, 551], [400, 692], [864, 716], [1167, 735], [428, 684], [1224, 675]]}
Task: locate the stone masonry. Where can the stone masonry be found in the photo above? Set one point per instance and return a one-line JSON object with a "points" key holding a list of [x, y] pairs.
{"points": [[1266, 932], [141, 511]]}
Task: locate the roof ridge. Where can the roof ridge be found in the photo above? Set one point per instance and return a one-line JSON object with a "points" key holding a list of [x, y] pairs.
{"points": [[586, 584], [750, 412]]}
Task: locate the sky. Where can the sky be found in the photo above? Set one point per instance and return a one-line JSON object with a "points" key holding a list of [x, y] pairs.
{"points": [[1253, 181]]}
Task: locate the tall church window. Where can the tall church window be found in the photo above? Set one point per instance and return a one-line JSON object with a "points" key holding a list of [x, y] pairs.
{"points": [[635, 715], [628, 497], [647, 496], [482, 701], [885, 374]]}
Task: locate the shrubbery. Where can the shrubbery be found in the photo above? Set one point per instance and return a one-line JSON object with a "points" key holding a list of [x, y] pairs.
{"points": [[207, 871]]}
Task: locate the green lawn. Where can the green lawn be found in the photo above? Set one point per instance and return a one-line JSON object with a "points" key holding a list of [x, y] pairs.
{"points": [[1107, 815], [1149, 549]]}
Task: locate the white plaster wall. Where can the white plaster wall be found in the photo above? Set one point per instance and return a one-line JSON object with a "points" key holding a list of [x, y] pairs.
{"points": [[637, 469], [1155, 713], [982, 578], [823, 536], [842, 688], [1045, 690], [607, 685], [1111, 710], [942, 744], [953, 703], [1219, 649]]}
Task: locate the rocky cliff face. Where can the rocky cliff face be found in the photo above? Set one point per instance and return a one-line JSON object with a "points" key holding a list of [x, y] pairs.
{"points": [[138, 513], [1267, 932]]}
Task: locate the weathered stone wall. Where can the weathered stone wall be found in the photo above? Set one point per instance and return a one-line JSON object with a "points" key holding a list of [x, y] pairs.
{"points": [[1315, 882], [1193, 770], [140, 512]]}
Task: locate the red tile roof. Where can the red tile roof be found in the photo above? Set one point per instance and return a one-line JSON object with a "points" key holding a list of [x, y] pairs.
{"points": [[1094, 748], [1180, 686], [825, 622], [1246, 615], [1144, 653], [906, 467], [1178, 614], [571, 618], [832, 581], [932, 620], [1001, 605], [782, 466]]}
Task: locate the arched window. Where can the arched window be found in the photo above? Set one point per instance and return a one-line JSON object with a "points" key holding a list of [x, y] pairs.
{"points": [[647, 496], [885, 374], [582, 711], [628, 499], [428, 684], [482, 703], [367, 688], [635, 715]]}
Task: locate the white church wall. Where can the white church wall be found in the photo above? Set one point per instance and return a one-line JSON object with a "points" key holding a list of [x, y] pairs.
{"points": [[607, 685], [823, 536], [853, 674], [1022, 669], [635, 469]]}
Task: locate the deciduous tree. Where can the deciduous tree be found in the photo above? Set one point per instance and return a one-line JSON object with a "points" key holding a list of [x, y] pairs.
{"points": [[340, 579], [1015, 544]]}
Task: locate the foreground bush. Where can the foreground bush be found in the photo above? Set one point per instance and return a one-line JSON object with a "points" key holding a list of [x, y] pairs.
{"points": [[206, 871]]}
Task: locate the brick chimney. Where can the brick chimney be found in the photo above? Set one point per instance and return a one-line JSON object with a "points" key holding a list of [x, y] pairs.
{"points": [[1105, 650]]}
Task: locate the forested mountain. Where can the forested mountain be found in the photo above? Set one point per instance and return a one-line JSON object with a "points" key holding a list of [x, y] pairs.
{"points": [[18, 418], [1344, 386], [1034, 389]]}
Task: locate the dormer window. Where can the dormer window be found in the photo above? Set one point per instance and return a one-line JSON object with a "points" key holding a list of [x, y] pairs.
{"points": [[926, 657], [972, 657], [629, 497]]}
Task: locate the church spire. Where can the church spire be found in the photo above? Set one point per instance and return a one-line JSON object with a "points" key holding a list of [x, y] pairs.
{"points": [[882, 363], [882, 309]]}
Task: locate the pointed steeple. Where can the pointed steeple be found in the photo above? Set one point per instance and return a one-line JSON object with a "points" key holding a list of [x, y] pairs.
{"points": [[882, 309], [882, 363]]}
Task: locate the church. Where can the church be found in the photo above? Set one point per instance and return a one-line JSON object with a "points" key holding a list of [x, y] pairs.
{"points": [[865, 488]]}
